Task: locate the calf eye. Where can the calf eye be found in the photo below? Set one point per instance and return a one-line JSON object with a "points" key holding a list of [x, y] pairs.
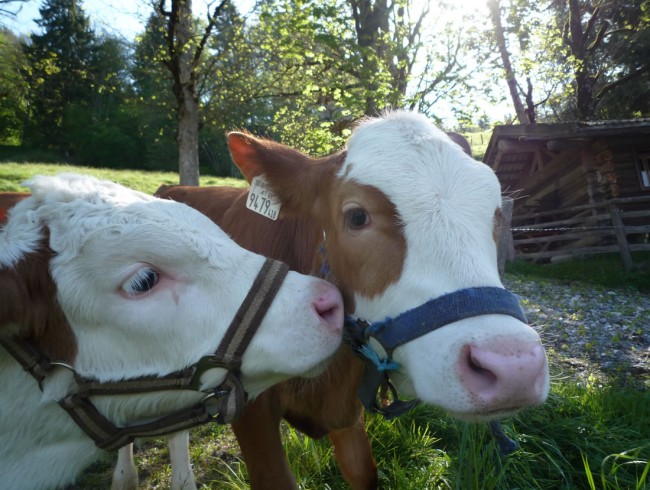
{"points": [[356, 218], [141, 282]]}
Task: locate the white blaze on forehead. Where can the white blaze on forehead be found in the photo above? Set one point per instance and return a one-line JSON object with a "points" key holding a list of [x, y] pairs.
{"points": [[418, 167], [76, 207], [445, 201]]}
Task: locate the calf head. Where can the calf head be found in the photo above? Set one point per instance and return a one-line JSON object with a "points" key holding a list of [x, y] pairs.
{"points": [[408, 217], [120, 284]]}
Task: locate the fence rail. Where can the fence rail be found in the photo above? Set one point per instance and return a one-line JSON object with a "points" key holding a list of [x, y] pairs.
{"points": [[617, 225]]}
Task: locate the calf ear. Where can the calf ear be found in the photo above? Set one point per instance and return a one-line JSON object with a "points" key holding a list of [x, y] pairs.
{"points": [[296, 178]]}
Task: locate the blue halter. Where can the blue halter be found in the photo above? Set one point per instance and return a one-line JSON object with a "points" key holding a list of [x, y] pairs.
{"points": [[430, 316]]}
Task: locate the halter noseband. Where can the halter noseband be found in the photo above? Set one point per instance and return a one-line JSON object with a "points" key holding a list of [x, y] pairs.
{"points": [[222, 403], [414, 323]]}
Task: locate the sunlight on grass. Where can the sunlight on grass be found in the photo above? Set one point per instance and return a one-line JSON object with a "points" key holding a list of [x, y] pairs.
{"points": [[13, 174]]}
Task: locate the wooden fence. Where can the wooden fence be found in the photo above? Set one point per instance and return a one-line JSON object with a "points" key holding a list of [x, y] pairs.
{"points": [[618, 225]]}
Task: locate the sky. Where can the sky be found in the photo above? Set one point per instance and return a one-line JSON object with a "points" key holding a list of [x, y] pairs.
{"points": [[120, 15], [127, 18]]}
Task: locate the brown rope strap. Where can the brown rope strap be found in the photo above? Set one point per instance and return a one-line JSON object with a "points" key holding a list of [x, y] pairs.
{"points": [[109, 437], [241, 330], [31, 359], [223, 403], [179, 380]]}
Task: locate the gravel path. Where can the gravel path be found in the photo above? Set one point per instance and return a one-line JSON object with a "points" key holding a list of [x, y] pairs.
{"points": [[589, 330]]}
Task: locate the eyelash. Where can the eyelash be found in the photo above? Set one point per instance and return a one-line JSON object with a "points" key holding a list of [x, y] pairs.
{"points": [[141, 282]]}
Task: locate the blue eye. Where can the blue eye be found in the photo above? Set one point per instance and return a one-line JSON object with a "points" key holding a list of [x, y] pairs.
{"points": [[141, 282]]}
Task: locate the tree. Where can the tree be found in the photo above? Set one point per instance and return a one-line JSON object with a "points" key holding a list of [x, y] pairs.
{"points": [[585, 58], [13, 89], [58, 74], [184, 52], [154, 104], [510, 76], [600, 36], [323, 64]]}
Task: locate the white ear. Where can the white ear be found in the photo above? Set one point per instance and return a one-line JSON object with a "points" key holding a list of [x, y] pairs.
{"points": [[22, 233]]}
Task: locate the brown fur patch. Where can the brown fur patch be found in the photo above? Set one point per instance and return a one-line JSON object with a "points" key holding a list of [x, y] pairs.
{"points": [[497, 224], [366, 261], [28, 299], [292, 240], [8, 200]]}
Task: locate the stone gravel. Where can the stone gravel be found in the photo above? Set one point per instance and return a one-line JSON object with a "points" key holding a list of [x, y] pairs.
{"points": [[589, 330]]}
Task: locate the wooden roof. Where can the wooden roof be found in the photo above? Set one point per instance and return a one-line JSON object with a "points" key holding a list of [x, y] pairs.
{"points": [[516, 151]]}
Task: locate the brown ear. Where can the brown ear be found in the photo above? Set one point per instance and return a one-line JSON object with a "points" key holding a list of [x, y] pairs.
{"points": [[28, 307], [296, 178]]}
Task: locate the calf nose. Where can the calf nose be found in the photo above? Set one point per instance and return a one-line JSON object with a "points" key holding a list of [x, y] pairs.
{"points": [[329, 307], [508, 377]]}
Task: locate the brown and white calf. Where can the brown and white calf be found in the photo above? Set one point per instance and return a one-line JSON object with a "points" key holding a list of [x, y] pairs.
{"points": [[111, 284], [401, 217]]}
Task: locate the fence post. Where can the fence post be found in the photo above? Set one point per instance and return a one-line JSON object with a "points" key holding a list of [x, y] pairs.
{"points": [[621, 238], [505, 245]]}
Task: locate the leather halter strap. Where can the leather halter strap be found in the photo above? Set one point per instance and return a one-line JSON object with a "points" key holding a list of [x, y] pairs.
{"points": [[222, 403]]}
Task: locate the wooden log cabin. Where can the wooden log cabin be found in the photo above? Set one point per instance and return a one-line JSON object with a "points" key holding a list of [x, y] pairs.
{"points": [[578, 188]]}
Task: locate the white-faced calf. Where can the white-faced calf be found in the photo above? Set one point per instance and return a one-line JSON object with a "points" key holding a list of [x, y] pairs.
{"points": [[105, 288]]}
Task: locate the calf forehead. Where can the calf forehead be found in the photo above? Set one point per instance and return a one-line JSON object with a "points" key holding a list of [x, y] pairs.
{"points": [[153, 228], [426, 176]]}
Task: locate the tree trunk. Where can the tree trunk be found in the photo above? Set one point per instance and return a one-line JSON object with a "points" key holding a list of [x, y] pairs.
{"points": [[369, 20], [511, 80], [187, 135], [577, 43]]}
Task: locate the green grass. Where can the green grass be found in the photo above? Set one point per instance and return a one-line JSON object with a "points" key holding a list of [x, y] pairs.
{"points": [[13, 174], [604, 270], [588, 435], [479, 142]]}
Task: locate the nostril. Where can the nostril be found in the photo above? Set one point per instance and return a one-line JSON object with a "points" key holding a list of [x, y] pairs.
{"points": [[329, 307], [482, 375]]}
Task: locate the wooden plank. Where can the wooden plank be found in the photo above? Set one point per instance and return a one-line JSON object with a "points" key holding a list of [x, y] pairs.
{"points": [[505, 246], [554, 167], [583, 220], [582, 207], [621, 239], [563, 237], [637, 247]]}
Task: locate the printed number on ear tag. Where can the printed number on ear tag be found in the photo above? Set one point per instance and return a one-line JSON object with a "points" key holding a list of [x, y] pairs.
{"points": [[262, 200]]}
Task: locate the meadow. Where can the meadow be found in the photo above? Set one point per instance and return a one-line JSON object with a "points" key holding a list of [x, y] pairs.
{"points": [[592, 433]]}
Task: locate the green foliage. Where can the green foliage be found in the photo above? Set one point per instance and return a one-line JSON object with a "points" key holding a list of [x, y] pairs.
{"points": [[58, 74], [303, 71], [585, 60], [13, 89]]}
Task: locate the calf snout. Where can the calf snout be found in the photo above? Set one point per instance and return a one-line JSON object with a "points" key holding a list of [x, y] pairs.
{"points": [[328, 305], [506, 377]]}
